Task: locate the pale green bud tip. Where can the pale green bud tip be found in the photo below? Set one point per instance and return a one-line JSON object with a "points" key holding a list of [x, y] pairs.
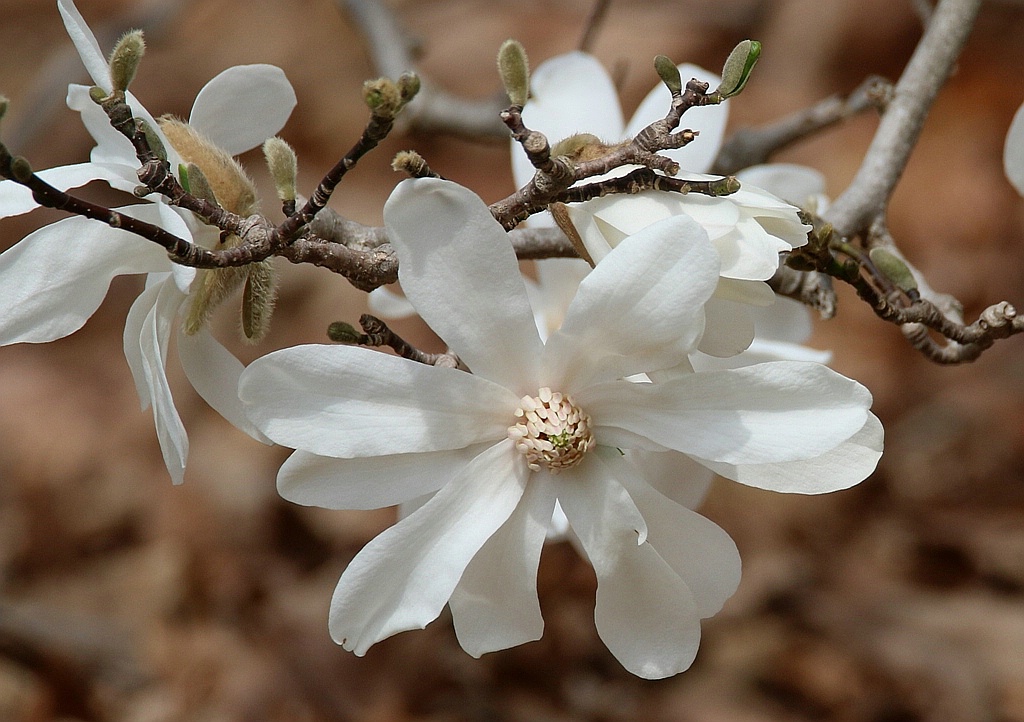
{"points": [[283, 165], [21, 169], [514, 69], [97, 94], [738, 66], [342, 332], [669, 74], [125, 58], [893, 268]]}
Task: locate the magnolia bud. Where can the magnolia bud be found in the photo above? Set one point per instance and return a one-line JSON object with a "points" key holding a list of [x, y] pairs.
{"points": [[669, 74], [258, 297], [21, 169], [125, 59], [382, 97], [342, 332], [284, 167], [408, 86], [737, 69], [97, 94], [514, 69], [894, 268]]}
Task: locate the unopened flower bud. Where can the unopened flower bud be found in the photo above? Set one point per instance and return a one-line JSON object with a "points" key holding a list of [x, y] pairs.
{"points": [[284, 167], [669, 74], [125, 59], [408, 86], [514, 69], [382, 97], [341, 332], [258, 297], [737, 69], [894, 268]]}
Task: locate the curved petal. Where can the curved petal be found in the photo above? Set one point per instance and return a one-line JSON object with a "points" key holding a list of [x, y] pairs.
{"points": [[214, 372], [674, 475], [370, 483], [347, 401], [458, 268], [645, 613], [749, 252], [85, 43], [791, 182], [697, 549], [386, 303], [403, 578], [729, 328], [640, 309], [771, 412], [243, 106], [55, 278], [570, 93], [1013, 151], [146, 335], [840, 468], [709, 121], [495, 605]]}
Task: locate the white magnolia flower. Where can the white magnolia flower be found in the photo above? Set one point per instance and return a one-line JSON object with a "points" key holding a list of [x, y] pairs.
{"points": [[1013, 151], [54, 279], [538, 422], [573, 93]]}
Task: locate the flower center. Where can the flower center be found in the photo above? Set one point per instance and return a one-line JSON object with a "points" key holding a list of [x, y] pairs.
{"points": [[551, 431]]}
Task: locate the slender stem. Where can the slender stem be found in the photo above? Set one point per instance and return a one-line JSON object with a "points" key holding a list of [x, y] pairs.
{"points": [[900, 127]]}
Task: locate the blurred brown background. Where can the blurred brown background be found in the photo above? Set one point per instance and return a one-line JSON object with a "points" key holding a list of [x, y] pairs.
{"points": [[124, 598]]}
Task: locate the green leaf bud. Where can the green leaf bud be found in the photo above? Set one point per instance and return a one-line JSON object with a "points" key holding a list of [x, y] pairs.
{"points": [[97, 94], [284, 167], [737, 69], [342, 332], [669, 74], [152, 139], [21, 169], [894, 268], [198, 184], [514, 69], [125, 59]]}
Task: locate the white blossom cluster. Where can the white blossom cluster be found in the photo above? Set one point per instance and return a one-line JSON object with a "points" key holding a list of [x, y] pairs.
{"points": [[613, 399]]}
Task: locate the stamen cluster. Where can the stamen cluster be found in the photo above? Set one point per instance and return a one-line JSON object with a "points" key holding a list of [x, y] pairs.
{"points": [[552, 432]]}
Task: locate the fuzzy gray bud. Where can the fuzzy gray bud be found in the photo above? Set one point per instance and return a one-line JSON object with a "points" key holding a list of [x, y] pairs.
{"points": [[737, 69], [125, 59], [669, 74], [514, 69]]}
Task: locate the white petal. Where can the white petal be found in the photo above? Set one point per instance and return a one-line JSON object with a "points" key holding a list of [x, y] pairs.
{"points": [[729, 328], [55, 278], [709, 120], [639, 310], [403, 578], [214, 372], [675, 475], [495, 604], [1013, 151], [16, 199], [792, 183], [771, 412], [370, 483], [645, 613], [347, 401], [85, 43], [458, 268], [147, 332], [243, 106], [840, 468], [697, 549], [748, 252], [558, 280], [385, 303], [569, 94]]}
